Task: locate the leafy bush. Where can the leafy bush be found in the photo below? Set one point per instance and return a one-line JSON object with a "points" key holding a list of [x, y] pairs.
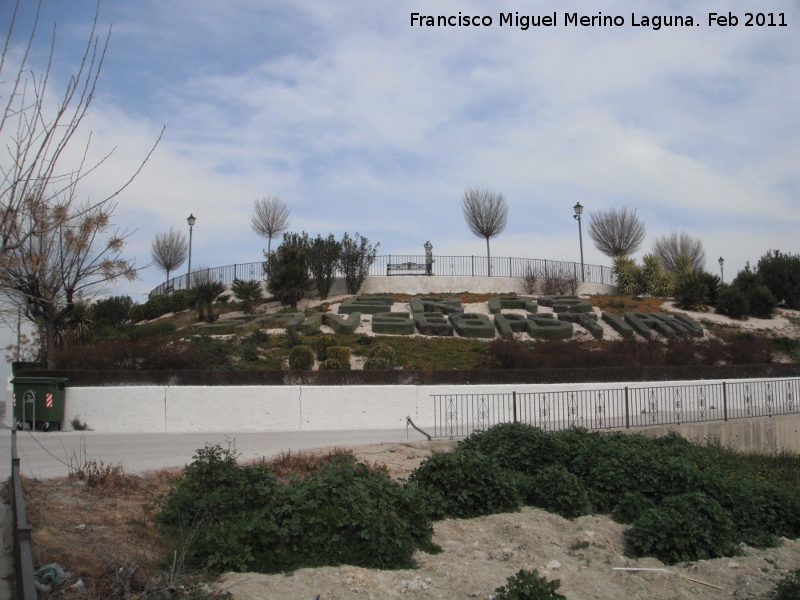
{"points": [[321, 343], [516, 446], [248, 292], [385, 353], [287, 269], [323, 257], [788, 588], [733, 302], [691, 290], [688, 527], [258, 337], [466, 484], [762, 302], [249, 352], [557, 490], [781, 274], [340, 354], [377, 364], [355, 260], [301, 357], [342, 513], [330, 364], [112, 311], [152, 309], [147, 353], [527, 585], [632, 506], [178, 301], [712, 284]]}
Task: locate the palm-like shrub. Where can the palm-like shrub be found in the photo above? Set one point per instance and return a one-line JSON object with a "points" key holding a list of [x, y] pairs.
{"points": [[202, 297], [248, 292], [657, 281], [630, 279], [691, 291]]}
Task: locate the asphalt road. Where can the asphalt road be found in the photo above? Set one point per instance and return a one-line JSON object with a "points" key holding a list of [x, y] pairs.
{"points": [[46, 455]]}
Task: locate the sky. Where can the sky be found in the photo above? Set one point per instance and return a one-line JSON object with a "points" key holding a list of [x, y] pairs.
{"points": [[362, 122]]}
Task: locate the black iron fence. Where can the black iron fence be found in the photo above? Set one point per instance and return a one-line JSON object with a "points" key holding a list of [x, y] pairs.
{"points": [[443, 266], [23, 552], [458, 415]]}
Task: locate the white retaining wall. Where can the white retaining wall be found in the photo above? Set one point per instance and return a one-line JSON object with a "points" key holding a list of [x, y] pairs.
{"points": [[277, 408]]}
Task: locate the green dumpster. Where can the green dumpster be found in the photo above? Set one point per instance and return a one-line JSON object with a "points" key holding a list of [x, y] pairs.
{"points": [[39, 402]]}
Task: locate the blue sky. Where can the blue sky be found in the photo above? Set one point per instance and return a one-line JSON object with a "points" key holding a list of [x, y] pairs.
{"points": [[362, 123]]}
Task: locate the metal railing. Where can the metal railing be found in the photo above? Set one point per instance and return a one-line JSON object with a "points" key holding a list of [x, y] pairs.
{"points": [[23, 551], [443, 266], [458, 415]]}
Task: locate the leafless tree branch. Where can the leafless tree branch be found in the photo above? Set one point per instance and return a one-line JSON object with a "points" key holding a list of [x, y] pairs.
{"points": [[270, 218], [486, 214], [616, 232]]}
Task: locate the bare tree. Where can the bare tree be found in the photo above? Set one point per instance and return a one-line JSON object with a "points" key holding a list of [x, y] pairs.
{"points": [[70, 254], [486, 214], [51, 248], [169, 250], [270, 218], [616, 232], [670, 247]]}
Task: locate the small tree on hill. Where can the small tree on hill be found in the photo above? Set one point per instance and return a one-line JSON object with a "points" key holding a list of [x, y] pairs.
{"points": [[781, 274], [670, 247], [486, 213], [323, 258], [356, 259], [270, 218], [616, 232], [169, 250], [287, 269], [248, 292]]}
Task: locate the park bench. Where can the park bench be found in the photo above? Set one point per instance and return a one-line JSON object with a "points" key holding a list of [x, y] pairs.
{"points": [[409, 268]]}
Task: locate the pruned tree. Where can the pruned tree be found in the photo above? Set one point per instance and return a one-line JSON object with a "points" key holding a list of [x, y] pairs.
{"points": [[67, 256], [270, 218], [323, 258], [287, 269], [616, 232], [356, 258], [169, 250], [670, 248], [486, 214]]}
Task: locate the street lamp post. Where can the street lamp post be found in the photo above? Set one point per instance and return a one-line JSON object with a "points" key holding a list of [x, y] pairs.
{"points": [[191, 221], [721, 261], [578, 211]]}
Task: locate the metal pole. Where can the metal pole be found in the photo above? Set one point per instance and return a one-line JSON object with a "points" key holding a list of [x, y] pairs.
{"points": [[189, 271], [515, 406], [627, 411], [724, 401], [580, 237]]}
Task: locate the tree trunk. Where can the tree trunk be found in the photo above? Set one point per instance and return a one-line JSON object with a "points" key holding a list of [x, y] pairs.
{"points": [[50, 343], [488, 258]]}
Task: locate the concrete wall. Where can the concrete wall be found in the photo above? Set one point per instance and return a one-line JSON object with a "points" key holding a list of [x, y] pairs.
{"points": [[309, 408], [763, 433]]}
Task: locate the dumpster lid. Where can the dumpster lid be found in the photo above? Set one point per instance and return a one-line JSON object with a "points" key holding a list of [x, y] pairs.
{"points": [[39, 380]]}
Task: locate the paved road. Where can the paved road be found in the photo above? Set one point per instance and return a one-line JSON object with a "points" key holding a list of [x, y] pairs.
{"points": [[46, 455]]}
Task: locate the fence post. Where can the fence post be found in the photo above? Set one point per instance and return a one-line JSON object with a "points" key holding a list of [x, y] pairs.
{"points": [[627, 410], [473, 265], [724, 401], [515, 406], [509, 266]]}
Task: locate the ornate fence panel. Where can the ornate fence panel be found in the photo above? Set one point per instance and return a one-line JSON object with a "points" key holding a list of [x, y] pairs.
{"points": [[458, 415], [443, 266]]}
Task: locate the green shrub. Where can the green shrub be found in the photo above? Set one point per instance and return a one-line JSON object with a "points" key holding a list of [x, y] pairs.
{"points": [[786, 344], [258, 337], [762, 302], [788, 588], [632, 506], [112, 311], [557, 490], [630, 278], [712, 285], [321, 343], [178, 301], [287, 268], [152, 309], [377, 364], [516, 446], [301, 357], [684, 528], [323, 256], [691, 291], [781, 274], [732, 302], [466, 484], [385, 353], [357, 256], [249, 352], [527, 585], [343, 513], [155, 329], [340, 354], [330, 364], [248, 292]]}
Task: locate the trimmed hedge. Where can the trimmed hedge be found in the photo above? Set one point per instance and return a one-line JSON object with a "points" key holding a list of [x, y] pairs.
{"points": [[562, 304], [446, 305], [340, 325], [508, 324], [393, 323], [497, 303], [340, 354], [618, 324], [586, 320], [545, 327], [472, 325], [432, 323], [366, 305]]}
